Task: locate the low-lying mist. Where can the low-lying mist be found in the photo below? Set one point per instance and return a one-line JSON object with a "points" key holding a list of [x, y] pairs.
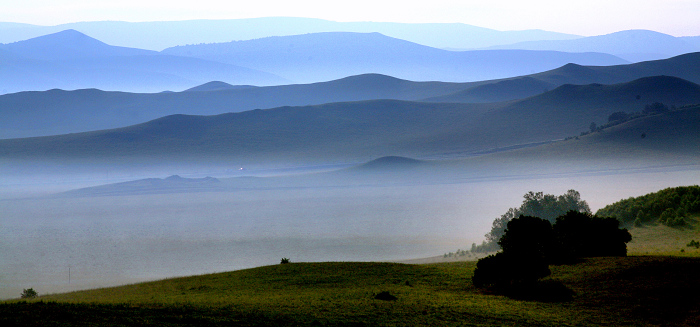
{"points": [[70, 242]]}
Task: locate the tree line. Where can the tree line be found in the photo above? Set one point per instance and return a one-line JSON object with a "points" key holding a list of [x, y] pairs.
{"points": [[675, 207], [530, 244], [545, 206]]}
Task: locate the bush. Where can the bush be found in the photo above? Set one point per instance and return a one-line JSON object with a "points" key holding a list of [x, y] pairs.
{"points": [[29, 293], [530, 244], [503, 272], [385, 296], [528, 236], [545, 206], [285, 261], [581, 235]]}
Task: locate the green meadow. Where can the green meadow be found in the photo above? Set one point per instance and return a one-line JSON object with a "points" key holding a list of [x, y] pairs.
{"points": [[638, 290]]}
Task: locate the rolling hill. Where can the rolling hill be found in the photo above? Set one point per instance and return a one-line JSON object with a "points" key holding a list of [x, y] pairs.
{"points": [[682, 66], [27, 114], [318, 57], [53, 112], [72, 60], [354, 131]]}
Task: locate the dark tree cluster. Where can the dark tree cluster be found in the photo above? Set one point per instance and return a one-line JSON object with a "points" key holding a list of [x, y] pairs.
{"points": [[672, 207], [655, 108], [530, 244], [546, 206]]}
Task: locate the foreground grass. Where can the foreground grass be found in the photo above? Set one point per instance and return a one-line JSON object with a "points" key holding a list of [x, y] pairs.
{"points": [[634, 291]]}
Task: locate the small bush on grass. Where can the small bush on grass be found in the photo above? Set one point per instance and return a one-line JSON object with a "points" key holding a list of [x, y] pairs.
{"points": [[385, 296], [29, 293]]}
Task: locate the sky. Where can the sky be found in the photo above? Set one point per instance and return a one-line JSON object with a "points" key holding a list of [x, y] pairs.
{"points": [[581, 17]]}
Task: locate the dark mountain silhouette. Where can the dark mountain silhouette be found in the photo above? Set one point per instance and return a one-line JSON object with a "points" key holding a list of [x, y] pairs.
{"points": [[53, 112], [354, 131], [683, 66], [632, 45], [58, 112], [662, 142], [570, 109], [72, 60], [501, 90], [324, 56], [161, 35]]}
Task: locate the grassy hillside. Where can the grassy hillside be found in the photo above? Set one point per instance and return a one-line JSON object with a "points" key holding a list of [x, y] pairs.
{"points": [[679, 206], [632, 291]]}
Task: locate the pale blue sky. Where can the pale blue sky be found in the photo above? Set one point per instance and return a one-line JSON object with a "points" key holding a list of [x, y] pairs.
{"points": [[587, 17]]}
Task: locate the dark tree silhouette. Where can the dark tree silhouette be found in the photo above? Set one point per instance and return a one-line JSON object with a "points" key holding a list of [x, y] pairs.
{"points": [[528, 236], [530, 244], [580, 235], [504, 272], [545, 206]]}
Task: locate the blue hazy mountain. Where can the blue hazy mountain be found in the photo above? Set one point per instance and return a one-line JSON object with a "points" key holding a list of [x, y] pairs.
{"points": [[161, 35], [317, 57], [683, 66], [632, 45], [72, 60], [53, 112], [68, 45], [217, 86], [354, 131]]}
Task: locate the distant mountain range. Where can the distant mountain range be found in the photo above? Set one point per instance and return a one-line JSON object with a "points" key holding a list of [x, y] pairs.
{"points": [[72, 60], [354, 131], [54, 112], [631, 45], [161, 35], [325, 56]]}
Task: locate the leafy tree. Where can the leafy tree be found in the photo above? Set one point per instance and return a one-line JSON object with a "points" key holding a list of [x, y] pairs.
{"points": [[545, 206], [29, 293], [580, 235], [504, 271], [671, 206], [528, 236], [530, 244]]}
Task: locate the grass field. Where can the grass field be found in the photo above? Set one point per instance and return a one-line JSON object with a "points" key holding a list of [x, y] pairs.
{"points": [[656, 285], [633, 291], [664, 240]]}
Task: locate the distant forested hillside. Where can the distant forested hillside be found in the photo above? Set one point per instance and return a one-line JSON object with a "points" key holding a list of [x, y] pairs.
{"points": [[671, 206]]}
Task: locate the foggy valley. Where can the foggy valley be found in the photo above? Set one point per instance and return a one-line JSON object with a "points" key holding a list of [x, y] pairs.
{"points": [[134, 152]]}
